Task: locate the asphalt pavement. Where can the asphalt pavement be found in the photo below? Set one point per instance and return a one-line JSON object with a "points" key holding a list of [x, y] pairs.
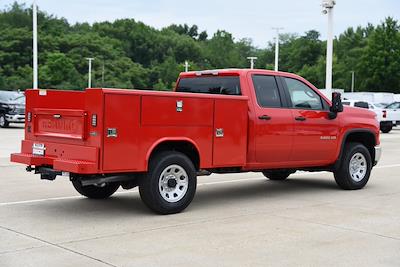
{"points": [[234, 220]]}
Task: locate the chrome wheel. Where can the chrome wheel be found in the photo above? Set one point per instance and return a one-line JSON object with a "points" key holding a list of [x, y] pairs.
{"points": [[358, 167], [173, 183]]}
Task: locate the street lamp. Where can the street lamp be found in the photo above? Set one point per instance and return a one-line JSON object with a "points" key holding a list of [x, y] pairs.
{"points": [[35, 46], [327, 6], [277, 46], [90, 59], [252, 60], [186, 66]]}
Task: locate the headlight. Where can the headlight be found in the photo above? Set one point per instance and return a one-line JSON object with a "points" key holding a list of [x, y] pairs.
{"points": [[4, 106]]}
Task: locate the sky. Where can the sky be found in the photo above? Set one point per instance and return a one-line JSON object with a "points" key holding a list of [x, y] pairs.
{"points": [[252, 19]]}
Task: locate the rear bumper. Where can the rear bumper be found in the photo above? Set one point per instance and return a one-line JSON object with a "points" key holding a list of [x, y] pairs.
{"points": [[60, 157], [378, 153], [74, 166]]}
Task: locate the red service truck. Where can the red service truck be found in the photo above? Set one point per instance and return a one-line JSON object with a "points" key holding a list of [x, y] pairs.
{"points": [[218, 121]]}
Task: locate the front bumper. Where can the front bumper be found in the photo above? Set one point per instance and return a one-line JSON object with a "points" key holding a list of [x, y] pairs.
{"points": [[378, 153], [17, 118]]}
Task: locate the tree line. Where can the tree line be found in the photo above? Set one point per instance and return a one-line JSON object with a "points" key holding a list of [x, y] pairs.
{"points": [[130, 54]]}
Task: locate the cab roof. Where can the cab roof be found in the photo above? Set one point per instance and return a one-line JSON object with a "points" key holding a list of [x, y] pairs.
{"points": [[240, 72]]}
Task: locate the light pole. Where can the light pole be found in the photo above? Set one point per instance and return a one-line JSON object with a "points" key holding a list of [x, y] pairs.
{"points": [[277, 46], [90, 59], [352, 81], [35, 46], [252, 60], [328, 9], [186, 66]]}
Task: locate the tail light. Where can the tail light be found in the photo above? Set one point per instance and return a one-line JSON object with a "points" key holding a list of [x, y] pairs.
{"points": [[29, 117], [384, 113]]}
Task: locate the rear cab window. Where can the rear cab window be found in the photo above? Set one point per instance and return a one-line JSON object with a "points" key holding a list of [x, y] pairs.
{"points": [[267, 92], [222, 85]]}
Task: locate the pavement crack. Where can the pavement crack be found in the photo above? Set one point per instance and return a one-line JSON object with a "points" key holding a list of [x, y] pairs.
{"points": [[57, 246], [19, 250], [339, 227]]}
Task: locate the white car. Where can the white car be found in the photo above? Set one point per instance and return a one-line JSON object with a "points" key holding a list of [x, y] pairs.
{"points": [[385, 121]]}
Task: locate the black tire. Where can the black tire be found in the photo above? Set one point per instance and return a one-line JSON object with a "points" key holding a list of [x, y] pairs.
{"points": [[343, 176], [96, 192], [277, 175], [3, 121], [386, 129], [149, 189]]}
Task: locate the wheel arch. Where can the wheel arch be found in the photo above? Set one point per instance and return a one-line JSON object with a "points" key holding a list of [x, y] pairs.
{"points": [[184, 145], [363, 136]]}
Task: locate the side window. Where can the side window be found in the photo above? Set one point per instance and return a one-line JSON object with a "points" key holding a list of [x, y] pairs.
{"points": [[267, 92], [393, 106], [302, 96], [361, 104]]}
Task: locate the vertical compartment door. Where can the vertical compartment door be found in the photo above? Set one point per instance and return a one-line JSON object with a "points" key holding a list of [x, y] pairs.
{"points": [[121, 125], [230, 133]]}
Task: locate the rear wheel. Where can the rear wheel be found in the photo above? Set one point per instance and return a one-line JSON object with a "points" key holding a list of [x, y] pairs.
{"points": [[170, 183], [386, 129], [3, 121], [100, 191], [277, 175], [355, 167]]}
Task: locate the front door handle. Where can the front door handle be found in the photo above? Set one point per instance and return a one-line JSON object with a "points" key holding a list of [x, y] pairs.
{"points": [[264, 117], [300, 118]]}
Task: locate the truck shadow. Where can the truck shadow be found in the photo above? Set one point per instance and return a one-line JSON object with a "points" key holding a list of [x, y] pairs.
{"points": [[268, 190], [129, 204]]}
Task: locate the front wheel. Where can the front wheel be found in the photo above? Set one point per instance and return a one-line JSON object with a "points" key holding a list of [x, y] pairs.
{"points": [[355, 167], [100, 191], [170, 183], [3, 121]]}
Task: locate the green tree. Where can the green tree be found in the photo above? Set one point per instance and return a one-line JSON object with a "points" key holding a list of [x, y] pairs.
{"points": [[381, 61]]}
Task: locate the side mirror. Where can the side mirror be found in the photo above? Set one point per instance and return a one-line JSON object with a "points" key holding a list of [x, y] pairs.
{"points": [[337, 105]]}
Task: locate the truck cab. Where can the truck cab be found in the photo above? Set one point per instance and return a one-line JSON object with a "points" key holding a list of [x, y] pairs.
{"points": [[216, 121]]}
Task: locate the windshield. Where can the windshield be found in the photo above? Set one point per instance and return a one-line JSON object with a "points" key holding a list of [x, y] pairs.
{"points": [[12, 97]]}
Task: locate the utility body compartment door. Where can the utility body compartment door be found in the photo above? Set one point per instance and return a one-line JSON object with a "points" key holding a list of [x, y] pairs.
{"points": [[120, 133], [230, 132]]}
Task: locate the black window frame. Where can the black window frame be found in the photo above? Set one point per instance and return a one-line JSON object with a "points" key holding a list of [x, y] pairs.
{"points": [[324, 104], [281, 93]]}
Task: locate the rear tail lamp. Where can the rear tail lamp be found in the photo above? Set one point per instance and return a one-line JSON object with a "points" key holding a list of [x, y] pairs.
{"points": [[384, 113], [29, 117], [94, 120]]}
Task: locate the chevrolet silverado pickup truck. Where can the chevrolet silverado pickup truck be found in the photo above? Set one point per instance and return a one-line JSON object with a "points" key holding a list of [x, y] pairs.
{"points": [[217, 121]]}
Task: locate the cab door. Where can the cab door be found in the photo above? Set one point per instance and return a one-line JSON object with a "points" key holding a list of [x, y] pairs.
{"points": [[315, 135], [273, 122]]}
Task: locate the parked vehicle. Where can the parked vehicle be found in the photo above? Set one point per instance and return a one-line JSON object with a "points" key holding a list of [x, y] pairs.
{"points": [[12, 108], [219, 121], [385, 123], [371, 97], [395, 110]]}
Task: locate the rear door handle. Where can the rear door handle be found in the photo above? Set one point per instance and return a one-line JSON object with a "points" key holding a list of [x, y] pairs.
{"points": [[264, 117], [300, 118]]}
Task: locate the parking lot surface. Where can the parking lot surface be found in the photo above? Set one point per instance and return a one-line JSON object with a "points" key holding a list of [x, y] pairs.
{"points": [[234, 220]]}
